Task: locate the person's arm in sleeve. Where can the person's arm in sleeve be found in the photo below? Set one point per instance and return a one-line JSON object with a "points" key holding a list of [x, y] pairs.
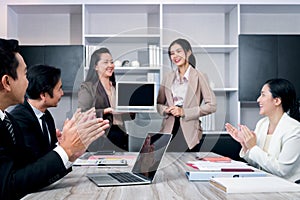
{"points": [[78, 133], [209, 104], [86, 98], [287, 159], [161, 99]]}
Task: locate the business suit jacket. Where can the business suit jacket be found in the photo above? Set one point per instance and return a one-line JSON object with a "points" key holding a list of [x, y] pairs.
{"points": [[94, 95], [21, 173], [198, 91], [87, 97], [33, 134], [283, 156]]}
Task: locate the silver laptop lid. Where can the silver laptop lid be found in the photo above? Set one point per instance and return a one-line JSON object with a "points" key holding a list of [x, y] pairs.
{"points": [[135, 96], [151, 154]]}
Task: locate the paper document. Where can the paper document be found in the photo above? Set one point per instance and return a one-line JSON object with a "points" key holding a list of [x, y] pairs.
{"points": [[254, 184], [101, 162], [205, 170], [216, 159], [219, 166]]}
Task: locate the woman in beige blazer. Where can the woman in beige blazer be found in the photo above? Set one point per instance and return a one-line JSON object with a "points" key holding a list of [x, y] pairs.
{"points": [[180, 99]]}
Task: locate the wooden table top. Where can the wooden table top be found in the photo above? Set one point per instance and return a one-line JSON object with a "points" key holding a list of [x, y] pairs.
{"points": [[170, 183]]}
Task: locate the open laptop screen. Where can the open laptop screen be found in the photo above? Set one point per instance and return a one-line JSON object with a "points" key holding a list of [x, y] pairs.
{"points": [[151, 154], [132, 95]]}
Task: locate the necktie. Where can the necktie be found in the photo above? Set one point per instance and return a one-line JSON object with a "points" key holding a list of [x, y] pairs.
{"points": [[10, 129], [45, 129]]}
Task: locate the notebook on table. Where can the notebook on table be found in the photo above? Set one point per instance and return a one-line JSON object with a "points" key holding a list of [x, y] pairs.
{"points": [[254, 184], [145, 167], [135, 97]]}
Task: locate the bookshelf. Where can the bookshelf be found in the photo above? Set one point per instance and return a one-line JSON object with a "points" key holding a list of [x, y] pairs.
{"points": [[127, 28]]}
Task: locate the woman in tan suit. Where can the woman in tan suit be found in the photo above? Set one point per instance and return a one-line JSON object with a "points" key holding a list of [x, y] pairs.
{"points": [[180, 99]]}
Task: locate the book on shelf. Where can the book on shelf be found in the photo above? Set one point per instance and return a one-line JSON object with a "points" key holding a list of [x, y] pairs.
{"points": [[154, 56], [158, 56], [254, 184], [153, 77], [208, 122], [89, 50]]}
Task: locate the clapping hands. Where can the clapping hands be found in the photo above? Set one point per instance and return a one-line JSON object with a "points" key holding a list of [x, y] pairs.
{"points": [[80, 131], [243, 135]]}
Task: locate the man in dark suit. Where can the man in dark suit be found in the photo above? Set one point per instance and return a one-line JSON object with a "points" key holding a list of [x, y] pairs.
{"points": [[44, 91], [20, 172]]}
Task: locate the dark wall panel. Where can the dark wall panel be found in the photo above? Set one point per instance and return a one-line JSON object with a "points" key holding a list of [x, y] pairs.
{"points": [[33, 55], [69, 58], [289, 60], [257, 63], [262, 57]]}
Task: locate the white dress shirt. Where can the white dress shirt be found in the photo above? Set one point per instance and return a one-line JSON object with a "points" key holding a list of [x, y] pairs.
{"points": [[179, 87]]}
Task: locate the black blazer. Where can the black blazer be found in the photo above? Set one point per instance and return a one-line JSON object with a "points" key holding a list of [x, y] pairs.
{"points": [[21, 173], [32, 131]]}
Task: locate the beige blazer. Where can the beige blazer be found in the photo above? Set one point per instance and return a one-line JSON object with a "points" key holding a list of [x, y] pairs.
{"points": [[198, 91]]}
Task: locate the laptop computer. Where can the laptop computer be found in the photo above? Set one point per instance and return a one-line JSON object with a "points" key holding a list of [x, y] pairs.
{"points": [[135, 96], [145, 167]]}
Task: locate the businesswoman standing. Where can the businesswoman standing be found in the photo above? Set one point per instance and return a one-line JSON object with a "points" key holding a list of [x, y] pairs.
{"points": [[180, 99], [98, 91]]}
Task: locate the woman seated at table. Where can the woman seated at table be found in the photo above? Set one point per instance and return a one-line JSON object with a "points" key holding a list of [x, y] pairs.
{"points": [[274, 146]]}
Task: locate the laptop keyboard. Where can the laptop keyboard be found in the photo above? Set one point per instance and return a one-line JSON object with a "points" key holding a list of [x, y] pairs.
{"points": [[125, 177]]}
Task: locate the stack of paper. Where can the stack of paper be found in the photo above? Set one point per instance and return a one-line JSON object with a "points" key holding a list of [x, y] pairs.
{"points": [[205, 170], [203, 165], [216, 159], [254, 185], [103, 159]]}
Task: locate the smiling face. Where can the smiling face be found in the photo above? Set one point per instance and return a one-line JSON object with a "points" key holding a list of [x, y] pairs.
{"points": [[57, 94], [178, 55], [267, 104], [105, 66]]}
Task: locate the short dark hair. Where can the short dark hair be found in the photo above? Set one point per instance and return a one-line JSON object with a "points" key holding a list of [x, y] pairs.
{"points": [[8, 60], [42, 79]]}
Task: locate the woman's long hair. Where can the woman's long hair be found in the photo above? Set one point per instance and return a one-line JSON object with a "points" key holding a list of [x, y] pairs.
{"points": [[92, 75]]}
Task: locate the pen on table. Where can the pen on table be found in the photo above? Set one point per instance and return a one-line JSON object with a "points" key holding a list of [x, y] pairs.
{"points": [[199, 158], [236, 170]]}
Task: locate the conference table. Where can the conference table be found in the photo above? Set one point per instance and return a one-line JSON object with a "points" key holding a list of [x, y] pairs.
{"points": [[170, 183]]}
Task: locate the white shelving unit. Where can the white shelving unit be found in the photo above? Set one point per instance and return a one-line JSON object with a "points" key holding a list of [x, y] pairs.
{"points": [[128, 28], [45, 24], [133, 28], [216, 54]]}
